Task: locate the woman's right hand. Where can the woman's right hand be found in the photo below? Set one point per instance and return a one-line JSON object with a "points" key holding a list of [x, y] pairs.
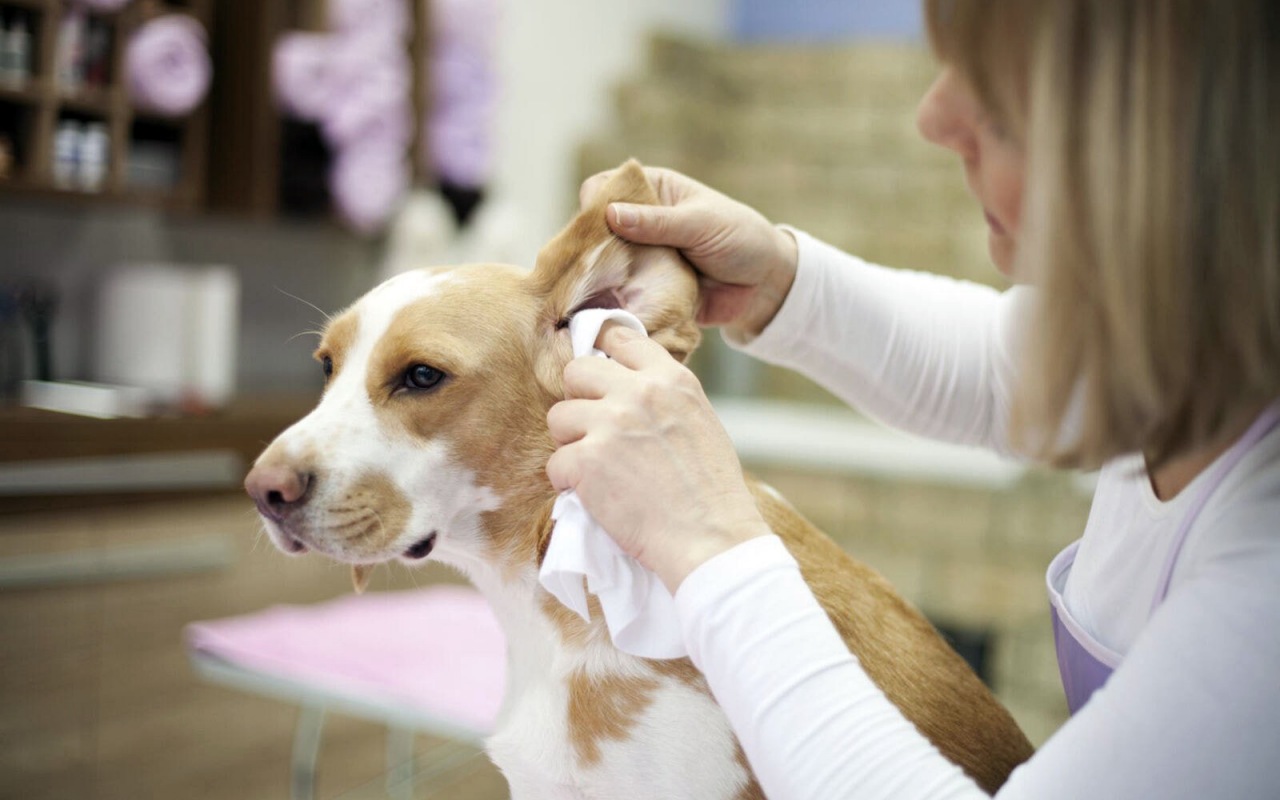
{"points": [[746, 263]]}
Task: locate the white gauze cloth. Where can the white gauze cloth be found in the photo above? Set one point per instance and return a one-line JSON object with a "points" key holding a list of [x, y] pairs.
{"points": [[638, 610]]}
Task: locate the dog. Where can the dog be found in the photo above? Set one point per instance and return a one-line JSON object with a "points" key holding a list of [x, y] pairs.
{"points": [[430, 441]]}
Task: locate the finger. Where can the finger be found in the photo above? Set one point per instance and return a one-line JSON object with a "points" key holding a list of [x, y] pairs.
{"points": [[564, 468], [569, 420], [630, 348], [681, 227], [590, 378]]}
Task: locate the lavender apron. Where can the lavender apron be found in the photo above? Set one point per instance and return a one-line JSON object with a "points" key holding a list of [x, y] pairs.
{"points": [[1084, 662]]}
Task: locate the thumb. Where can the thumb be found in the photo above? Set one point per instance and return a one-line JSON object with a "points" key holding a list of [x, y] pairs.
{"points": [[663, 225]]}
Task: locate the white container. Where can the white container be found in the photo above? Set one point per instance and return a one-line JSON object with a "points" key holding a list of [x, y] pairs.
{"points": [[172, 330], [66, 154], [15, 52], [92, 157]]}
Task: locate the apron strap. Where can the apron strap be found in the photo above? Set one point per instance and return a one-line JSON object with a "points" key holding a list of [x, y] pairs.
{"points": [[1259, 429]]}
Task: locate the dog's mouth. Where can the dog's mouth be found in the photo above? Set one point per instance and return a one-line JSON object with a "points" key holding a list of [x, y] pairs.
{"points": [[422, 549]]}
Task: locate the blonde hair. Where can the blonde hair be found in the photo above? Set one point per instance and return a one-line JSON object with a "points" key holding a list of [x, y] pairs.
{"points": [[1151, 217]]}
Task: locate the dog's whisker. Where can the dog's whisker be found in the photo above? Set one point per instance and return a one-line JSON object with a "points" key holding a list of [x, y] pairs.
{"points": [[327, 317], [317, 334]]}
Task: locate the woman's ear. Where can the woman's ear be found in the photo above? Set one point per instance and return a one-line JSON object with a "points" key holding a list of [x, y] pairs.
{"points": [[587, 266]]}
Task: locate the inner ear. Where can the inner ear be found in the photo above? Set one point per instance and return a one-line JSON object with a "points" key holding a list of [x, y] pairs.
{"points": [[587, 266]]}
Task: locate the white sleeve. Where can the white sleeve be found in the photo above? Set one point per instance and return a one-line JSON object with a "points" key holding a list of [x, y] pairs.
{"points": [[917, 351], [1193, 712]]}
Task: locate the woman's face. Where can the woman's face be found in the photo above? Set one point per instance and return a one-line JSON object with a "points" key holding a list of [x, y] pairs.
{"points": [[951, 116]]}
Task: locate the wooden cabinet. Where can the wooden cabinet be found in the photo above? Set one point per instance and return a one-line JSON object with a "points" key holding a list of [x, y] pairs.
{"points": [[146, 158]]}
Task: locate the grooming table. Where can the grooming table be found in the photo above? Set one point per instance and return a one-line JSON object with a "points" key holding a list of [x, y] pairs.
{"points": [[430, 660]]}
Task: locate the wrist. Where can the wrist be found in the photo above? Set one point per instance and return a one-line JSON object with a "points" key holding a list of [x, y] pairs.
{"points": [[772, 291], [698, 550]]}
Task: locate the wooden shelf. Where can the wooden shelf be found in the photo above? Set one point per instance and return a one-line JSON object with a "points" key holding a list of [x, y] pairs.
{"points": [[100, 102], [38, 108], [32, 92], [30, 5]]}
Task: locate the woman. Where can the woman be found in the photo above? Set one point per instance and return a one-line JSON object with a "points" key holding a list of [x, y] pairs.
{"points": [[1123, 153]]}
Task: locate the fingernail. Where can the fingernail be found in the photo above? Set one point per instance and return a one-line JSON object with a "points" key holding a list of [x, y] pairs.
{"points": [[625, 215]]}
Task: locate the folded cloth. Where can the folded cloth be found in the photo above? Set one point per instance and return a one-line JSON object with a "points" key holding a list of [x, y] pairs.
{"points": [[638, 610], [459, 124], [463, 72], [390, 20], [368, 182], [302, 67], [103, 5], [372, 98], [167, 66]]}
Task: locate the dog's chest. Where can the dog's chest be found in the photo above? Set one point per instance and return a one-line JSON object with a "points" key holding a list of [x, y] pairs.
{"points": [[598, 724]]}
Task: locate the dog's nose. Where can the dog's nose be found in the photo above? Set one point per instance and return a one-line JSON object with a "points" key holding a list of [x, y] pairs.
{"points": [[277, 489]]}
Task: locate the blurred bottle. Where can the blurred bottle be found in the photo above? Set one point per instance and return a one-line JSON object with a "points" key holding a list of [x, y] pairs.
{"points": [[92, 157], [71, 49], [15, 52], [97, 56], [12, 338], [8, 162], [66, 154]]}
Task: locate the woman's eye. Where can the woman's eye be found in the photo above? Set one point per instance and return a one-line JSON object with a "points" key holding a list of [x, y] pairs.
{"points": [[420, 376], [326, 364]]}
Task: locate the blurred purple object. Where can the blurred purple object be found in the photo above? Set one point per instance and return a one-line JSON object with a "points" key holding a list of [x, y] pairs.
{"points": [[464, 82], [167, 66], [386, 19], [372, 94], [303, 66], [368, 182], [103, 5]]}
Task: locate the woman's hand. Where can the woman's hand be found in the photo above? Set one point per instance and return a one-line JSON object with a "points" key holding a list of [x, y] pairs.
{"points": [[747, 264], [640, 443]]}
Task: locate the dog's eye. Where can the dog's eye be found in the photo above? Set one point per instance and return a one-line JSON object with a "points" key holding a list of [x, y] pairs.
{"points": [[422, 377], [326, 364]]}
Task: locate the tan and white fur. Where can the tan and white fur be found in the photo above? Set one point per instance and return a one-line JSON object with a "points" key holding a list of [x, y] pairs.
{"points": [[431, 441]]}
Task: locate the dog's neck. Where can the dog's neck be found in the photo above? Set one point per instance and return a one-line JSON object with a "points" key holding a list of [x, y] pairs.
{"points": [[538, 627]]}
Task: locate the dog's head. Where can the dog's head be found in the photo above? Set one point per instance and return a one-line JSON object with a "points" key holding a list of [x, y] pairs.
{"points": [[431, 436]]}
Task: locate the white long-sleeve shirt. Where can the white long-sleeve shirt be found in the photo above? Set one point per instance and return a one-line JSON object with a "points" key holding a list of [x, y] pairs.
{"points": [[1194, 709]]}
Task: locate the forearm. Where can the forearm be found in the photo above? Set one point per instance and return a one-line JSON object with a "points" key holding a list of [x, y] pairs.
{"points": [[921, 352]]}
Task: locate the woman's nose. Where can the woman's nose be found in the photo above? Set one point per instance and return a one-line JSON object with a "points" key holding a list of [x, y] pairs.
{"points": [[946, 116]]}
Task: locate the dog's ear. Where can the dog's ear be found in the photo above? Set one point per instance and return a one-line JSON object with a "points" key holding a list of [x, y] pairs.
{"points": [[587, 266]]}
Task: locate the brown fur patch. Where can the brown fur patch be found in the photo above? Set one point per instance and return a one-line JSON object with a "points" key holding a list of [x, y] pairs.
{"points": [[372, 511], [338, 337], [603, 708], [902, 653], [751, 789]]}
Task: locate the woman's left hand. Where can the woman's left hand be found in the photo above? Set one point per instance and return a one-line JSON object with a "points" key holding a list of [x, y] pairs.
{"points": [[640, 443]]}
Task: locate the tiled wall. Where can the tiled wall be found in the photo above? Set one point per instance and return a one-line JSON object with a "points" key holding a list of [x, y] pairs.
{"points": [[824, 138]]}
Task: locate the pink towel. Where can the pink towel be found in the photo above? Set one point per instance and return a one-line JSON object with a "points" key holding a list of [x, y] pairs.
{"points": [[302, 66], [372, 95], [388, 19], [103, 5], [438, 650], [464, 83], [167, 65], [368, 181]]}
